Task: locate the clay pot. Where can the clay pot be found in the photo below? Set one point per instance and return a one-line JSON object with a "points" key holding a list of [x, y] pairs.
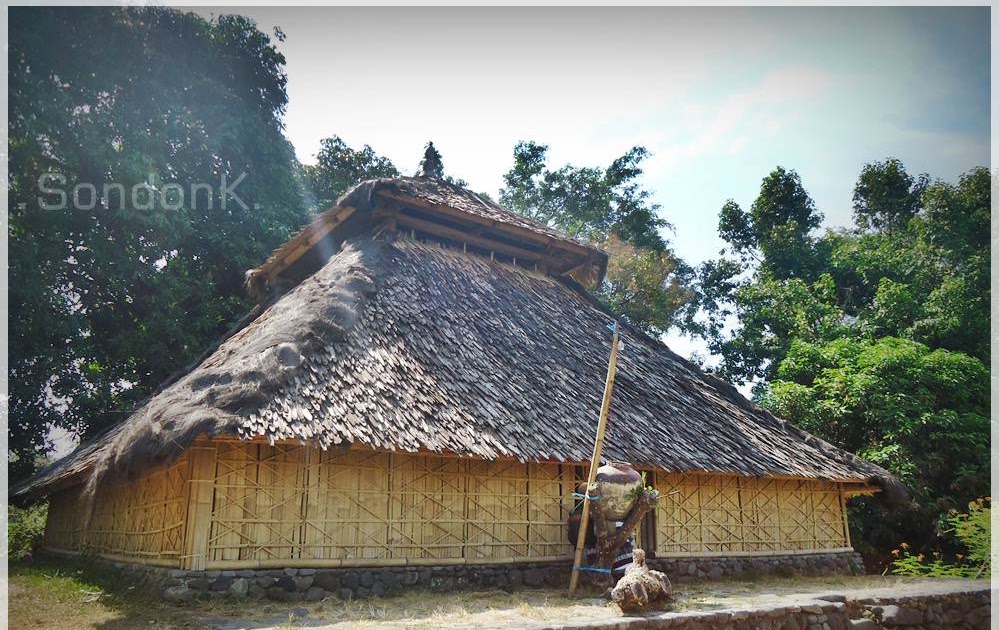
{"points": [[616, 483]]}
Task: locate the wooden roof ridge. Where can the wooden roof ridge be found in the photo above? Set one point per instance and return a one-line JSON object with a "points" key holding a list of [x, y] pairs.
{"points": [[450, 211]]}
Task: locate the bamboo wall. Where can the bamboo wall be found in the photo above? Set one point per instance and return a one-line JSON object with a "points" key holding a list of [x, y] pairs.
{"points": [[229, 504], [141, 521], [288, 504], [716, 514]]}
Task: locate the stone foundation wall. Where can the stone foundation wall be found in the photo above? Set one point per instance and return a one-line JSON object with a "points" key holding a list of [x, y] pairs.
{"points": [[358, 583], [685, 569], [290, 585]]}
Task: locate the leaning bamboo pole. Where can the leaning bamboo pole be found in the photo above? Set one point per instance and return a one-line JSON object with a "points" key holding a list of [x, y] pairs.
{"points": [[598, 445]]}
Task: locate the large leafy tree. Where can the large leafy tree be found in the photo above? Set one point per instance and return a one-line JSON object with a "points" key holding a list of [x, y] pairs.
{"points": [[148, 171], [775, 284], [923, 414], [886, 196], [338, 167], [777, 231], [875, 338], [646, 282]]}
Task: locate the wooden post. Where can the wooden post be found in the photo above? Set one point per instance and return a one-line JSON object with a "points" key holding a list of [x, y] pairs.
{"points": [[199, 507], [842, 508], [598, 445]]}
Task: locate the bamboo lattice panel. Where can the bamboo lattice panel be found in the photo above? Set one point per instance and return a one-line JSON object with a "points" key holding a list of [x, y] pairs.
{"points": [[295, 502], [64, 524], [258, 506], [141, 520], [718, 514]]}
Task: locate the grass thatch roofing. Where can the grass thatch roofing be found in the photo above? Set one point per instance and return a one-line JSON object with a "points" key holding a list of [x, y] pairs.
{"points": [[405, 345]]}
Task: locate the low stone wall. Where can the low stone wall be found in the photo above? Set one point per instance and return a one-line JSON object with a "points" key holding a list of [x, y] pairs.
{"points": [[963, 607], [288, 585], [358, 583], [681, 569], [942, 610]]}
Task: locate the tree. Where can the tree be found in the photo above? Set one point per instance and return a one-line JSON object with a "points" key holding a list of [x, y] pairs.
{"points": [[148, 171], [650, 288], [776, 232], [775, 286], [646, 282], [886, 196], [432, 165], [922, 414], [879, 343], [338, 167], [587, 202], [957, 219]]}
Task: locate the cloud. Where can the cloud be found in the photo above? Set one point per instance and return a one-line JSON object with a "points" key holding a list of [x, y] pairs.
{"points": [[763, 106]]}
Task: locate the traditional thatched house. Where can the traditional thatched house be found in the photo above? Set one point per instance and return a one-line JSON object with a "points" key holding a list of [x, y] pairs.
{"points": [[420, 385]]}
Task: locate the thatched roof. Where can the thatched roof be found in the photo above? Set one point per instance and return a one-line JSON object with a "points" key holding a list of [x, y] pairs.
{"points": [[400, 344], [422, 204]]}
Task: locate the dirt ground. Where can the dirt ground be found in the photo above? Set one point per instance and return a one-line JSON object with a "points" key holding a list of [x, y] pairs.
{"points": [[64, 595]]}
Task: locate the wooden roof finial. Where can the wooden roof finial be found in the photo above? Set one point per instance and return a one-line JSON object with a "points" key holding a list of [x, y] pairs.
{"points": [[432, 165]]}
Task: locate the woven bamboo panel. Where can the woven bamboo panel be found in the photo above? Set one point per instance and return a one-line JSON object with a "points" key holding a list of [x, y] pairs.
{"points": [[64, 525], [349, 501], [258, 507], [427, 507], [721, 514], [142, 520], [299, 503], [549, 488]]}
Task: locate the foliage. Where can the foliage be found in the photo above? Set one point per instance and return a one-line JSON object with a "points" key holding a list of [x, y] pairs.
{"points": [[886, 197], [647, 287], [432, 165], [876, 339], [338, 167], [643, 489], [25, 528], [928, 282], [134, 276], [776, 232], [587, 202], [973, 529], [922, 414], [646, 282]]}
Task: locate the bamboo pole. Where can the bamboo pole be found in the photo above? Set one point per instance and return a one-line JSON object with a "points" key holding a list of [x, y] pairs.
{"points": [[199, 507], [598, 445]]}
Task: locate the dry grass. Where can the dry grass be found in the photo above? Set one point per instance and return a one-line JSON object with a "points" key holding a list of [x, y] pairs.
{"points": [[476, 608], [64, 595]]}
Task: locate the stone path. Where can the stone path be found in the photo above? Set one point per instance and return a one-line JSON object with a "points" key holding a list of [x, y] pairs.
{"points": [[721, 609]]}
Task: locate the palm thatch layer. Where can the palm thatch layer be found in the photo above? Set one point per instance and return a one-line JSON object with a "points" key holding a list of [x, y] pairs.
{"points": [[407, 345]]}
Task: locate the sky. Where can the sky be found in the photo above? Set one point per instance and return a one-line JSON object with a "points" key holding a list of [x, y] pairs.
{"points": [[720, 96]]}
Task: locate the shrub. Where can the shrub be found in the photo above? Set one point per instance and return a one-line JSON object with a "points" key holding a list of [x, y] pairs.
{"points": [[973, 531], [25, 528]]}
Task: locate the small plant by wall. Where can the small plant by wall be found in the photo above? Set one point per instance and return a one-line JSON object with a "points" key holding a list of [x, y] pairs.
{"points": [[25, 529], [973, 531]]}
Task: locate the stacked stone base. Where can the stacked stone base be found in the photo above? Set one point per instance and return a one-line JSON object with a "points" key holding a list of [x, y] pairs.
{"points": [[813, 564], [294, 584]]}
